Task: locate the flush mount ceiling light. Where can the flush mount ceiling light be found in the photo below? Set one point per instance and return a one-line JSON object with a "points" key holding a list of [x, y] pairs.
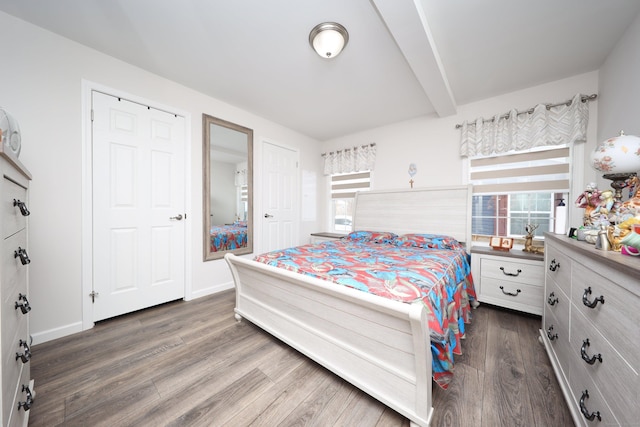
{"points": [[328, 39]]}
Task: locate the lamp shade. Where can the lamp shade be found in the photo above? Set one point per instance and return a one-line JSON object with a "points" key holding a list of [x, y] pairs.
{"points": [[328, 39], [620, 154]]}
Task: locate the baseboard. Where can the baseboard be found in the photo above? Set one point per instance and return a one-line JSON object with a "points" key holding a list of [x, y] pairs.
{"points": [[52, 334], [211, 290]]}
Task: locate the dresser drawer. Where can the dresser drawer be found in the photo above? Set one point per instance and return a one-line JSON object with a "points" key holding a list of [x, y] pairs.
{"points": [[614, 318], [518, 271], [517, 296], [13, 273], [14, 323], [615, 379], [556, 301], [20, 417], [11, 371], [580, 381], [12, 219], [558, 268], [556, 330]]}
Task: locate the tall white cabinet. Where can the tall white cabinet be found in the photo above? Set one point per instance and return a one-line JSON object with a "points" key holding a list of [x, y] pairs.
{"points": [[17, 391]]}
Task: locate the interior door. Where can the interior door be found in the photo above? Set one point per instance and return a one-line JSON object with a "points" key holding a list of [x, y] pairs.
{"points": [[138, 206], [280, 201]]}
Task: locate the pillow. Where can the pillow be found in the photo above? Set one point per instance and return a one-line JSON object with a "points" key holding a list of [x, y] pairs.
{"points": [[240, 223], [431, 241], [371, 236]]}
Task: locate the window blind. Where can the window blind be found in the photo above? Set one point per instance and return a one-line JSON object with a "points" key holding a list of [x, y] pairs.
{"points": [[535, 171], [345, 186]]}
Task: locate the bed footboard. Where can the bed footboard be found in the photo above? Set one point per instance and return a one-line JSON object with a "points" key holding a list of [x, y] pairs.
{"points": [[378, 345]]}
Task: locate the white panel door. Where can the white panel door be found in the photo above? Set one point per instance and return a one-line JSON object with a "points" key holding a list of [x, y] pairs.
{"points": [[138, 206], [280, 201]]}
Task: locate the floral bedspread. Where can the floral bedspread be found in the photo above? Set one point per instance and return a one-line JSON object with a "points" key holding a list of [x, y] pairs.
{"points": [[224, 237], [441, 279]]}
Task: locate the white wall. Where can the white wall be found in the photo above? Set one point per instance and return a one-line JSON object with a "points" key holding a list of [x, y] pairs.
{"points": [[433, 143], [41, 85], [619, 83]]}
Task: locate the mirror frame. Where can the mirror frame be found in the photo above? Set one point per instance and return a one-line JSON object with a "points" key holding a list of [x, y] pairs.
{"points": [[207, 121]]}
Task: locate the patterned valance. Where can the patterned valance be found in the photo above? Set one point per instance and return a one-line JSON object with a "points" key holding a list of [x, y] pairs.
{"points": [[356, 159], [542, 125]]}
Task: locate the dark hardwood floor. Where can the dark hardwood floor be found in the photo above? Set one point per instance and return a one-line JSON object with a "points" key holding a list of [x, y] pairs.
{"points": [[191, 364]]}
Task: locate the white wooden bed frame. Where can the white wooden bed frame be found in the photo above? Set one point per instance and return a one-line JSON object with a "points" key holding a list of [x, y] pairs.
{"points": [[380, 346]]}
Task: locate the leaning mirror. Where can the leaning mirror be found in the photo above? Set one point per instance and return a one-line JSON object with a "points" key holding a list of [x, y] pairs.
{"points": [[227, 202]]}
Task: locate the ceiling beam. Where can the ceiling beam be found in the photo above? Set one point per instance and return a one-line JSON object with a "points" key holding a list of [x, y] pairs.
{"points": [[407, 23]]}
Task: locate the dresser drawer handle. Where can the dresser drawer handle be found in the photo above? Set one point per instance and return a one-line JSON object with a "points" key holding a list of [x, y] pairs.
{"points": [[591, 304], [23, 304], [511, 274], [511, 294], [22, 253], [550, 335], [26, 356], [553, 266], [553, 299], [26, 405], [583, 408], [583, 352], [23, 208]]}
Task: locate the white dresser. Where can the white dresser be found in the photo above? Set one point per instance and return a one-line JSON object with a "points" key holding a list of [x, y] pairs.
{"points": [[17, 387], [591, 330], [513, 279]]}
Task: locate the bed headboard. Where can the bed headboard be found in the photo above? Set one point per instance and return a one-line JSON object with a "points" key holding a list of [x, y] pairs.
{"points": [[438, 210]]}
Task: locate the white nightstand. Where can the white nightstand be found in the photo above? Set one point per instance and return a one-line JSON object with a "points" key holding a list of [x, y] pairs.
{"points": [[513, 279], [323, 237]]}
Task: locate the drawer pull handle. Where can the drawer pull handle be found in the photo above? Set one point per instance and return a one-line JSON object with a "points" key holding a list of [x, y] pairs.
{"points": [[553, 266], [591, 304], [26, 405], [550, 335], [553, 299], [511, 274], [26, 356], [22, 253], [23, 208], [583, 408], [583, 352], [23, 304], [511, 294]]}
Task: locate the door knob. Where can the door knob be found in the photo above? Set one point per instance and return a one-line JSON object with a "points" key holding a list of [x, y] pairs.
{"points": [[177, 217], [268, 216]]}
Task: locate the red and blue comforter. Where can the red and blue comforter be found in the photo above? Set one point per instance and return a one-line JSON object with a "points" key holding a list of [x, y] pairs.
{"points": [[400, 269], [226, 237]]}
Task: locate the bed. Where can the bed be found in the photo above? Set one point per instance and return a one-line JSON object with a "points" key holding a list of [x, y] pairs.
{"points": [[342, 328], [228, 237]]}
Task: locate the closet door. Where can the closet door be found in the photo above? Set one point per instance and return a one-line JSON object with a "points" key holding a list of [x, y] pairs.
{"points": [[138, 206]]}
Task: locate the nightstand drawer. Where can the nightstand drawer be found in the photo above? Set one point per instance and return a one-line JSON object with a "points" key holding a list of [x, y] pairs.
{"points": [[518, 296], [518, 271]]}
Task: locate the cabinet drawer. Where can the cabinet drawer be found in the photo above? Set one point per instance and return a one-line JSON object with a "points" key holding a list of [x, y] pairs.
{"points": [[558, 268], [518, 296], [519, 271], [11, 374], [616, 380], [12, 219], [614, 318], [20, 417]]}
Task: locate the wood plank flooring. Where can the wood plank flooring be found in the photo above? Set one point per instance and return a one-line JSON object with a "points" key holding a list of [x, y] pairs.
{"points": [[191, 364]]}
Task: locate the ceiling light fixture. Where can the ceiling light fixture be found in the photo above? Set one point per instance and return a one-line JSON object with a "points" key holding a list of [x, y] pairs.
{"points": [[328, 39]]}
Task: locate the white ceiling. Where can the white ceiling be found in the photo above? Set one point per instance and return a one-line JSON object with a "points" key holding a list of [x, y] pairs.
{"points": [[405, 58]]}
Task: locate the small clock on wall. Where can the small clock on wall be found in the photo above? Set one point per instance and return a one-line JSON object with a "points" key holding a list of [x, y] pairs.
{"points": [[501, 243]]}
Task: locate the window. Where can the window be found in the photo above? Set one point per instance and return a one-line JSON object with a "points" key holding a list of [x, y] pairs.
{"points": [[514, 190], [343, 195]]}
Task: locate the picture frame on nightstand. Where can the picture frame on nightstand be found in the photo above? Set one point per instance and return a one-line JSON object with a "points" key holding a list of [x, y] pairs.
{"points": [[501, 243]]}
